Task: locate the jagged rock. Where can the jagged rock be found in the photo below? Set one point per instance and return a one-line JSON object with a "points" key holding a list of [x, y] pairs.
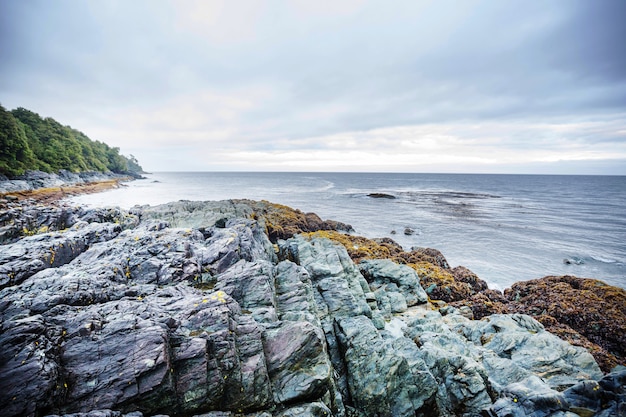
{"points": [[205, 319], [104, 413], [590, 307], [524, 341], [31, 180], [295, 299], [297, 362], [463, 387], [339, 284], [381, 382], [392, 277], [280, 222], [530, 397], [317, 409], [49, 250]]}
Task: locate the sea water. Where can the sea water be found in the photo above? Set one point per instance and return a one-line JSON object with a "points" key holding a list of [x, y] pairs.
{"points": [[505, 228]]}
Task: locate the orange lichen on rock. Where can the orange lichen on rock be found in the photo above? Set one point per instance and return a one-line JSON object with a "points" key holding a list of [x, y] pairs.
{"points": [[282, 222], [358, 247], [439, 281], [584, 312]]}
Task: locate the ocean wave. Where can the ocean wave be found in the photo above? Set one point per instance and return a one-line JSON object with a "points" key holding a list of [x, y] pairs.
{"points": [[604, 260]]}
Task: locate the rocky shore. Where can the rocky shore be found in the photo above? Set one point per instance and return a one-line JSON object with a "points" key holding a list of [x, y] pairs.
{"points": [[246, 308], [47, 187]]}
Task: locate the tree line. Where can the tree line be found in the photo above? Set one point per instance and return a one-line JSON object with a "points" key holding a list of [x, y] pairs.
{"points": [[30, 142]]}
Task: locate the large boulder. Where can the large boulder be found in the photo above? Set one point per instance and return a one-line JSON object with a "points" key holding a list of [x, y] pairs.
{"points": [[380, 380]]}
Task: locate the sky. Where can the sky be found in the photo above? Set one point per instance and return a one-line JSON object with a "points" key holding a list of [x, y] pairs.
{"points": [[499, 86]]}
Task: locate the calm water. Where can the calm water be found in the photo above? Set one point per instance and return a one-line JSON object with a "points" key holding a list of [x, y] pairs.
{"points": [[505, 228]]}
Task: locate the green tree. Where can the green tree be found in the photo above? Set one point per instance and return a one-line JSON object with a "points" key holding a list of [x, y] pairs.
{"points": [[49, 146], [15, 154]]}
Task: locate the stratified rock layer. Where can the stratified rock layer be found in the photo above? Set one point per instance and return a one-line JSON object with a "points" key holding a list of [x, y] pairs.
{"points": [[190, 309]]}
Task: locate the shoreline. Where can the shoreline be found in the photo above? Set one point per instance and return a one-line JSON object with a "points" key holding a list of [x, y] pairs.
{"points": [[458, 287], [220, 258], [49, 195], [48, 188]]}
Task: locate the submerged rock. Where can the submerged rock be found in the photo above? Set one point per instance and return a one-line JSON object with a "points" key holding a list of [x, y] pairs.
{"points": [[382, 195], [189, 309]]}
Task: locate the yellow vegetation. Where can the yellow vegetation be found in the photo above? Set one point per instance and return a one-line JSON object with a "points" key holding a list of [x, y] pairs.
{"points": [[358, 247]]}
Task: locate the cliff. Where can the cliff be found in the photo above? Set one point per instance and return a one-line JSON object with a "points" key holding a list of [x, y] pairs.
{"points": [[248, 308]]}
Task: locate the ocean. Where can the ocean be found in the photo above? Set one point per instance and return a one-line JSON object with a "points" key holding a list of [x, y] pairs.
{"points": [[505, 228]]}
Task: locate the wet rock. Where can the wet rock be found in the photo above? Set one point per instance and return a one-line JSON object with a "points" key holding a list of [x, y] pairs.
{"points": [[382, 195]]}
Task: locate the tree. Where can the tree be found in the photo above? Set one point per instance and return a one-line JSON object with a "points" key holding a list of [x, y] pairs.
{"points": [[15, 154], [47, 145]]}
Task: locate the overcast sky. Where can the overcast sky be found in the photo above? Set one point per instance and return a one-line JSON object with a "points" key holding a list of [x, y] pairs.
{"points": [[343, 85]]}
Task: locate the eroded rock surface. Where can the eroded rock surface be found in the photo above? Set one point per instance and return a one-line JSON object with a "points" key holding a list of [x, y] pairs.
{"points": [[190, 309]]}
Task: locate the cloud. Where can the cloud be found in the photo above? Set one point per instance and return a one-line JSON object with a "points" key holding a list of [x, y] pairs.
{"points": [[395, 86]]}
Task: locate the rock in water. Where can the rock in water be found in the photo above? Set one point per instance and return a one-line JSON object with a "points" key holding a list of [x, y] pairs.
{"points": [[382, 195]]}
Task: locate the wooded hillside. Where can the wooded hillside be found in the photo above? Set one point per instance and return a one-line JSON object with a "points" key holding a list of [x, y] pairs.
{"points": [[30, 142]]}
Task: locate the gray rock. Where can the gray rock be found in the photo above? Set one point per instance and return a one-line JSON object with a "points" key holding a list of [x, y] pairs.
{"points": [[604, 397], [380, 380], [295, 299], [139, 318], [297, 362], [32, 180], [196, 214], [380, 273], [340, 286], [523, 340], [317, 409], [49, 250], [530, 397], [251, 284]]}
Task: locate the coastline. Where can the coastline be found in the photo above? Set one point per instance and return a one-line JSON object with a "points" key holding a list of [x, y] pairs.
{"points": [[46, 188], [268, 237]]}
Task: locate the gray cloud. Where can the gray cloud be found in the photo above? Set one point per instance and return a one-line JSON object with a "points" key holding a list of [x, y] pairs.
{"points": [[269, 77]]}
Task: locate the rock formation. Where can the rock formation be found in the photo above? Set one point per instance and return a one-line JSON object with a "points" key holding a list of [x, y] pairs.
{"points": [[219, 309]]}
